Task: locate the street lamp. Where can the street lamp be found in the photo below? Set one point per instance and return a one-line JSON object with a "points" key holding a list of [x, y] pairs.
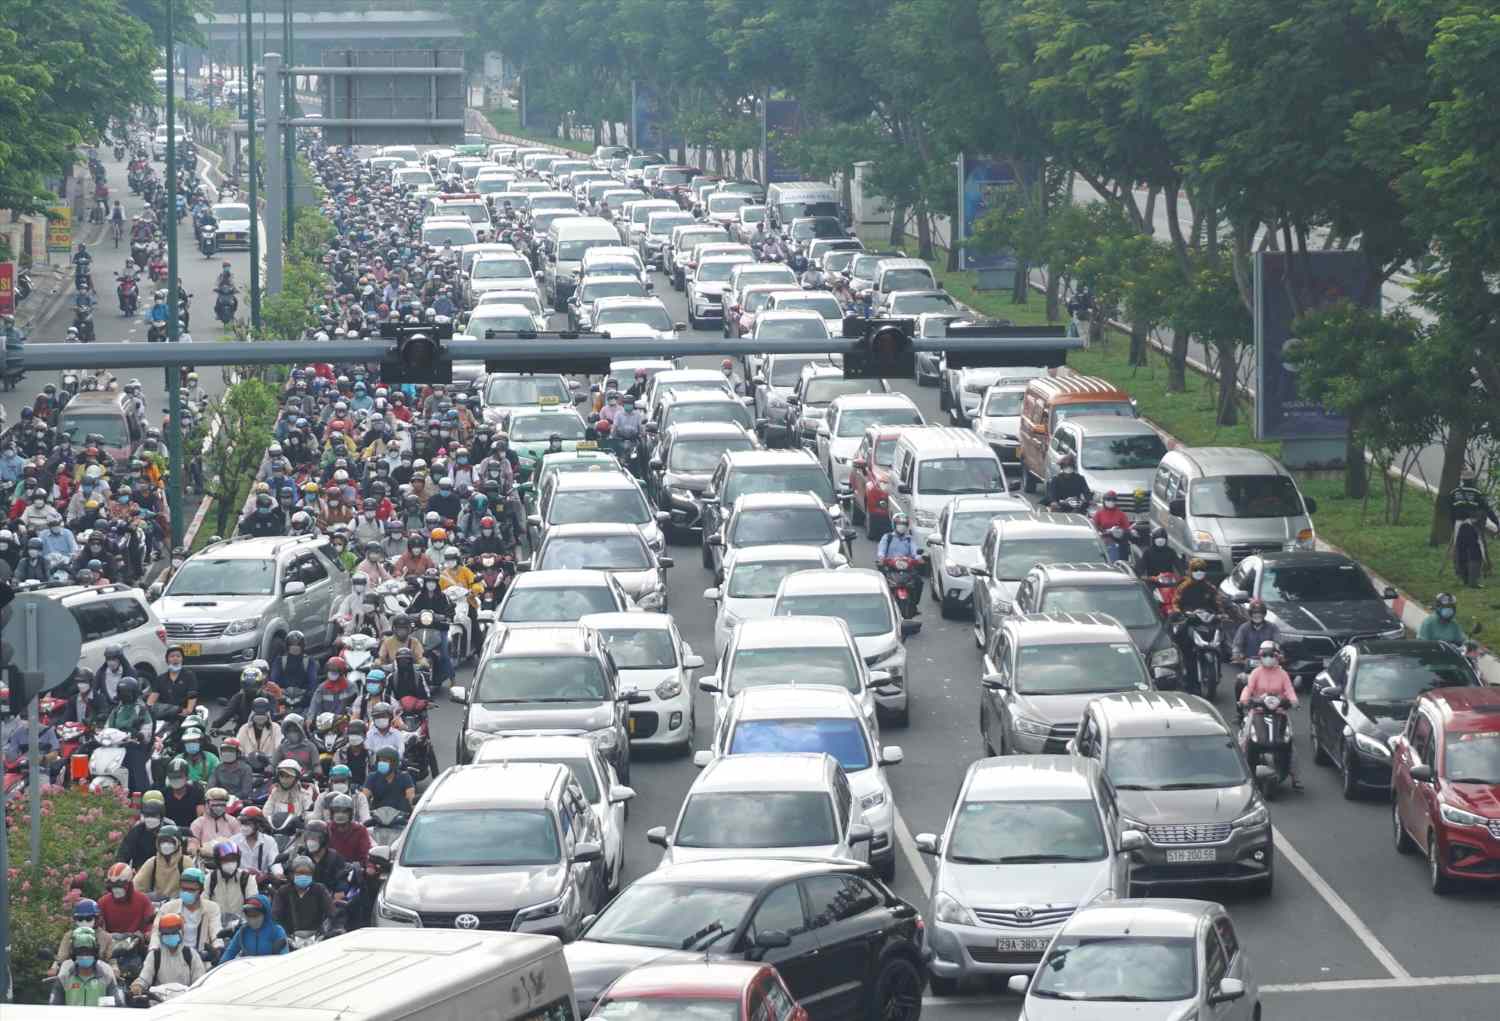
{"points": [[169, 225]]}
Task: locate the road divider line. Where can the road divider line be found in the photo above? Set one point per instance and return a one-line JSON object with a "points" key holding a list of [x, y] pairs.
{"points": [[1341, 907], [908, 847], [1369, 984]]}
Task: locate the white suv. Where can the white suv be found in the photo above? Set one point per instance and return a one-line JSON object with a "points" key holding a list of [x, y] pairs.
{"points": [[115, 615]]}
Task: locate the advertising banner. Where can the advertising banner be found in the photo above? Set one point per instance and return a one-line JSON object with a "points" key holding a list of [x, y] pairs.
{"points": [[7, 288], [647, 133], [1285, 287], [982, 180], [59, 229], [780, 119]]}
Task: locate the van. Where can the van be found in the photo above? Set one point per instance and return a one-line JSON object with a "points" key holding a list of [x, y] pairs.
{"points": [[567, 240], [790, 199], [1049, 400], [1223, 504], [932, 465], [390, 975], [904, 275], [100, 413]]}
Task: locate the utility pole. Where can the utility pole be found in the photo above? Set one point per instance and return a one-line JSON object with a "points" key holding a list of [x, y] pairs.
{"points": [[254, 168], [288, 144], [174, 397]]}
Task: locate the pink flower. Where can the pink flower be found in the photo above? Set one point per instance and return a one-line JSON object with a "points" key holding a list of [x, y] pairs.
{"points": [[26, 886], [72, 896], [114, 835]]}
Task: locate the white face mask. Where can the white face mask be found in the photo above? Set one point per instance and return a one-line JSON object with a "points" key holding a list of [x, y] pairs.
{"points": [[229, 868], [1159, 542], [341, 788], [1199, 575], [1268, 661], [900, 529]]}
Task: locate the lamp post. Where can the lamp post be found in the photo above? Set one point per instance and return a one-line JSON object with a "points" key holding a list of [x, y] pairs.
{"points": [[171, 372], [254, 168], [288, 102]]}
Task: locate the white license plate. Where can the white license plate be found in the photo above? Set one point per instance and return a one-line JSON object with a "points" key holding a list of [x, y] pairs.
{"points": [[1024, 944], [1191, 854]]}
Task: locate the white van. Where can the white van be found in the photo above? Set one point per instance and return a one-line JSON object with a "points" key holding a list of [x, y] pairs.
{"points": [[390, 975], [903, 275], [932, 465], [567, 240], [791, 199]]}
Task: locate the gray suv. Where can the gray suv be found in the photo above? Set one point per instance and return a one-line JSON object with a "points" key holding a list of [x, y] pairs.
{"points": [[234, 602], [505, 846], [1180, 778]]}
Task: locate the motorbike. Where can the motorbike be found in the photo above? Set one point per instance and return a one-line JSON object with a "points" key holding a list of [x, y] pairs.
{"points": [[359, 652], [129, 294], [1266, 739], [386, 825], [1204, 628], [107, 761], [1116, 544], [900, 576], [1071, 505], [140, 252], [429, 629], [461, 644], [327, 735], [83, 320], [128, 954], [417, 757], [207, 238], [225, 306]]}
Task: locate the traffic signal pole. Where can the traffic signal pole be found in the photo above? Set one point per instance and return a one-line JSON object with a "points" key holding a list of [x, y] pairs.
{"points": [[172, 371]]}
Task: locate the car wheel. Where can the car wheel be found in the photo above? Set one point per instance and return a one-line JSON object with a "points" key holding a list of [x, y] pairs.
{"points": [[1436, 878], [942, 986], [1319, 755], [1350, 786], [1404, 843], [897, 995]]}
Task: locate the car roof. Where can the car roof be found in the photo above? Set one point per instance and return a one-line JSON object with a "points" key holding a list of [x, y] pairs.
{"points": [[767, 501], [1031, 778], [792, 292], [1148, 713], [1155, 916], [799, 771], [1111, 425], [612, 278], [745, 873], [687, 376], [1209, 461], [726, 980], [987, 501], [727, 260], [585, 528], [496, 785], [597, 480], [1044, 524], [1065, 628], [929, 439], [561, 577], [873, 400], [1467, 709], [1305, 558], [1097, 573], [626, 620], [777, 553], [534, 747], [776, 314], [703, 397], [259, 547], [706, 430], [832, 581], [540, 638], [780, 701], [768, 458], [776, 632]]}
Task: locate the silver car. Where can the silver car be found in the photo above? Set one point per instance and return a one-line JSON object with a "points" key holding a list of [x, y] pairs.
{"points": [[953, 546], [619, 549], [598, 498], [1114, 455], [652, 660]]}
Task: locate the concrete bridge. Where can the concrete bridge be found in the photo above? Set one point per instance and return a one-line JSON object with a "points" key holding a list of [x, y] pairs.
{"points": [[390, 27]]}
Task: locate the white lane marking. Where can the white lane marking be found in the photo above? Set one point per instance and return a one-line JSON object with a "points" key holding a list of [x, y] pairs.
{"points": [[1340, 907], [1365, 984], [908, 847]]}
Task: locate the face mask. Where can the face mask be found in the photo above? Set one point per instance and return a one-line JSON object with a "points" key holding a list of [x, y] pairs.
{"points": [[1199, 575], [261, 719], [86, 961], [217, 811], [189, 897], [286, 781], [1268, 661], [303, 882], [355, 740], [382, 723], [191, 747], [167, 848], [83, 689], [229, 757], [900, 529], [382, 767], [254, 920], [1445, 613], [174, 667], [334, 677], [1257, 618], [1109, 503], [229, 868], [151, 822], [341, 788], [432, 586], [373, 687], [117, 892], [171, 939], [177, 783], [314, 846], [248, 832]]}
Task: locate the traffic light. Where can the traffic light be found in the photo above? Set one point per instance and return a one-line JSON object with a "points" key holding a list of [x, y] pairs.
{"points": [[416, 353], [884, 350]]}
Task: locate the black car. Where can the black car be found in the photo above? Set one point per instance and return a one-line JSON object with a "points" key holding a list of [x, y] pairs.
{"points": [[1364, 697], [843, 942], [1319, 601]]}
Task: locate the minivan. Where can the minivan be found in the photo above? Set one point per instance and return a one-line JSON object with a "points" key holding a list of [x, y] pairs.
{"points": [[1114, 455], [1222, 504], [100, 413], [904, 275], [935, 463], [567, 241], [1051, 399], [790, 199]]}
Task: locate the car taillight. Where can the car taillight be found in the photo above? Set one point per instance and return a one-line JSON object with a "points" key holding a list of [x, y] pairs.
{"points": [[161, 635]]}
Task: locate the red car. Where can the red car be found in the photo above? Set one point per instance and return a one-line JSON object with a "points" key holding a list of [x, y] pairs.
{"points": [[720, 990], [1445, 785], [870, 479]]}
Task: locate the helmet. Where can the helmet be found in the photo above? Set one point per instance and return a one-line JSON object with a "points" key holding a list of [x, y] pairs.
{"points": [[1067, 461], [439, 535], [1111, 495], [339, 804], [486, 522], [1268, 648], [388, 753], [318, 827], [295, 638], [84, 938], [194, 875], [177, 767], [381, 709], [229, 743], [289, 766], [226, 849], [302, 863], [169, 921], [1445, 600], [114, 652], [898, 518], [168, 832], [216, 794], [338, 663], [251, 677], [1198, 564], [261, 706], [340, 772], [294, 720], [86, 908], [1257, 605]]}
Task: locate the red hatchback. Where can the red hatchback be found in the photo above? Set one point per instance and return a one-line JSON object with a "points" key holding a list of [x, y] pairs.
{"points": [[1445, 784], [870, 479], [700, 991]]}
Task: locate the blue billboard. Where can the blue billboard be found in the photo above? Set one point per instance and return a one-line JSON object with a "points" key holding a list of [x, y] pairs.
{"points": [[647, 132], [780, 119], [982, 180]]}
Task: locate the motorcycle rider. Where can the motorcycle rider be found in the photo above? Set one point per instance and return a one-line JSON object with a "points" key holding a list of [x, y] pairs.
{"points": [[384, 733], [287, 794], [201, 918], [1156, 558], [233, 774], [389, 786], [1110, 516], [125, 910], [256, 845], [340, 781], [260, 735], [132, 717], [293, 669], [237, 710], [400, 637], [349, 838], [1270, 678], [201, 762], [84, 980], [260, 936], [177, 686], [229, 886], [113, 670], [1441, 625], [414, 562], [85, 916], [173, 958], [296, 744], [265, 520], [329, 866], [1066, 484], [215, 824], [354, 753], [899, 542], [161, 875], [139, 842], [1196, 592], [303, 905], [1248, 637], [183, 799]]}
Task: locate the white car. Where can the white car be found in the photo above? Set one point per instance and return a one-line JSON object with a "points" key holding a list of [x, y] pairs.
{"points": [[526, 296], [998, 421], [811, 718], [612, 497], [231, 225], [821, 302], [115, 615], [605, 794], [560, 597], [501, 318], [966, 387], [843, 427], [497, 272], [580, 303], [953, 546], [705, 288], [439, 231], [652, 658], [751, 579], [773, 519]]}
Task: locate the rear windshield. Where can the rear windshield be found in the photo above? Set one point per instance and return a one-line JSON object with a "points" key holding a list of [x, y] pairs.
{"points": [[112, 428], [1017, 556], [703, 455], [761, 580], [780, 479], [908, 280], [954, 475], [773, 526], [525, 391]]}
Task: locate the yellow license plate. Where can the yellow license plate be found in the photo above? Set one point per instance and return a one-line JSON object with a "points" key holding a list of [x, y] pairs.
{"points": [[587, 445], [630, 724], [192, 649]]}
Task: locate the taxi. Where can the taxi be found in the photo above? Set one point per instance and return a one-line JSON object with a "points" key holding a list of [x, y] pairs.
{"points": [[584, 457], [531, 429]]}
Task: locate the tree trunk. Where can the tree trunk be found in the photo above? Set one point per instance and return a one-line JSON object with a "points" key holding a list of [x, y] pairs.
{"points": [[1020, 291], [1138, 345], [1177, 367], [1454, 452], [1356, 471], [898, 226], [1054, 292], [1229, 407], [924, 234]]}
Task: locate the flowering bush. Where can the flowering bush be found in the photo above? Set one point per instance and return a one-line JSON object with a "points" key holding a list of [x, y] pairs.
{"points": [[80, 833]]}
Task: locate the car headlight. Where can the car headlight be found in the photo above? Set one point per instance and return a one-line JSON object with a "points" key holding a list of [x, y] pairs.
{"points": [[1458, 817], [606, 739], [1027, 725], [731, 621], [396, 913], [946, 909], [1170, 656], [242, 627], [546, 909], [925, 519], [955, 570], [1372, 746], [1257, 816], [474, 738], [1127, 823], [670, 688], [1203, 541], [870, 801]]}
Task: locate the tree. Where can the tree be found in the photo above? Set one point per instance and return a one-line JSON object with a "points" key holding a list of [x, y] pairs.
{"points": [[242, 422]]}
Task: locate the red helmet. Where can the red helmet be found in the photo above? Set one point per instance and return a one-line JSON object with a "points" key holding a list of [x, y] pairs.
{"points": [[603, 427], [338, 663], [253, 814], [486, 522]]}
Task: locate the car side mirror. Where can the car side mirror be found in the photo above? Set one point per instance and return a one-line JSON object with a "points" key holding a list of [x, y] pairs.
{"points": [[996, 682], [934, 539], [979, 572], [665, 562], [1132, 840], [657, 835], [903, 489], [679, 327], [715, 540], [910, 627], [772, 939], [1018, 984], [709, 686], [1229, 989], [692, 661], [154, 592], [633, 697], [1389, 593], [619, 794], [294, 588], [1422, 773], [534, 520], [1241, 598], [663, 518], [879, 677], [1177, 507], [711, 594], [702, 758], [587, 852], [927, 843], [380, 853], [458, 693], [1311, 503], [892, 755], [860, 833]]}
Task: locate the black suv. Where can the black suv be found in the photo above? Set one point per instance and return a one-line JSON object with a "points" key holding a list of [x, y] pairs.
{"points": [[843, 942]]}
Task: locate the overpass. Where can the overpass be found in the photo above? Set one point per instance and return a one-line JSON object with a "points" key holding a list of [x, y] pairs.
{"points": [[391, 27]]}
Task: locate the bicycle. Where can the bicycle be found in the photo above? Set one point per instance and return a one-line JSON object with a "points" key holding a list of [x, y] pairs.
{"points": [[117, 231]]}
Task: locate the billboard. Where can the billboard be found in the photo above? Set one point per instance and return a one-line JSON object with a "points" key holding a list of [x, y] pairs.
{"points": [[7, 288], [1285, 287], [59, 229], [402, 107], [647, 132], [982, 180], [779, 119]]}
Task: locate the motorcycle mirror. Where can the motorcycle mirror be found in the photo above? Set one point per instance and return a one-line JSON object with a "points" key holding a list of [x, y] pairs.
{"points": [[1264, 773], [910, 627]]}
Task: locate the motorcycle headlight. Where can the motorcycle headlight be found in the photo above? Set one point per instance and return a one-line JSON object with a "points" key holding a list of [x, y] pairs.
{"points": [[1458, 817], [1372, 746], [946, 909], [670, 688], [1257, 816], [606, 739], [396, 913], [242, 627], [1027, 725]]}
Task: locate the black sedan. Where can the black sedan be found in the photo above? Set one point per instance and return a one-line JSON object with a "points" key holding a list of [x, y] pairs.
{"points": [[1364, 697], [843, 942]]}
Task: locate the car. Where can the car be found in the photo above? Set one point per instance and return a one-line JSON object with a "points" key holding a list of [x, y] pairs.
{"points": [[870, 480], [771, 519], [862, 600], [618, 549], [805, 229], [783, 912], [739, 318], [661, 990], [724, 207], [780, 374], [531, 429], [596, 780], [773, 651], [962, 390], [448, 231], [705, 287], [752, 577], [234, 601], [708, 249], [613, 259], [617, 314], [499, 318], [523, 830], [1113, 454], [412, 177], [819, 247], [953, 546], [555, 677], [1197, 966], [231, 225], [1012, 547], [795, 805], [910, 304], [1445, 785], [841, 431], [498, 271], [682, 462], [997, 420], [1180, 778], [821, 302], [752, 274], [747, 220], [1363, 698], [560, 597], [818, 387], [656, 238], [580, 303], [527, 297], [566, 462], [1112, 590], [932, 365], [1318, 600], [760, 471], [1029, 840], [674, 381], [863, 268], [684, 239], [598, 498], [115, 615], [652, 659], [794, 324], [504, 392], [691, 407]]}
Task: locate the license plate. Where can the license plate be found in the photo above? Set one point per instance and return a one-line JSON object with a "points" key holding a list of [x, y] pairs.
{"points": [[192, 649], [1191, 854], [630, 724], [1023, 944]]}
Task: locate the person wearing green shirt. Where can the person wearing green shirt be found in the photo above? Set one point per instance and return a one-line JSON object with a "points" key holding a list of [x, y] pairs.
{"points": [[85, 981], [1441, 624], [201, 762]]}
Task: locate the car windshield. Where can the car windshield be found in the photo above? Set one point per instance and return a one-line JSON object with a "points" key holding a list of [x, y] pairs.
{"points": [[615, 506], [757, 819], [231, 212], [1401, 677], [484, 323], [855, 421], [641, 648], [715, 271], [786, 370], [526, 299], [615, 266], [729, 412], [791, 328], [673, 916], [968, 529], [826, 305], [210, 576], [703, 455], [824, 389], [910, 280], [752, 214], [1151, 969], [761, 580], [114, 430], [572, 251], [610, 289], [537, 202], [915, 304], [1114, 453], [780, 479], [1017, 556], [867, 614], [1127, 604], [727, 203], [1316, 583], [502, 269], [675, 176], [667, 1008], [837, 262], [664, 224], [841, 737], [1119, 409], [1472, 757], [1084, 668], [885, 452], [1026, 832], [480, 837], [526, 390], [1005, 404], [653, 317], [1244, 496], [1175, 762], [540, 427], [595, 552], [557, 604], [945, 476], [776, 525], [761, 668], [541, 678], [439, 236], [817, 228]]}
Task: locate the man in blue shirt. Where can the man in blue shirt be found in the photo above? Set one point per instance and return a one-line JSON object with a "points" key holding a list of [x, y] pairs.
{"points": [[899, 542]]}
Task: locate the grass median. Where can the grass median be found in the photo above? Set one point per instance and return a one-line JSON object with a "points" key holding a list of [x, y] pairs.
{"points": [[507, 121]]}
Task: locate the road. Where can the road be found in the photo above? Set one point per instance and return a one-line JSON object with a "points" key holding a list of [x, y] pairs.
{"points": [[1351, 931]]}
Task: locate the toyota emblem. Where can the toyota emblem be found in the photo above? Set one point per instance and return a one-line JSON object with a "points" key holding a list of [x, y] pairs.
{"points": [[1025, 914], [472, 921]]}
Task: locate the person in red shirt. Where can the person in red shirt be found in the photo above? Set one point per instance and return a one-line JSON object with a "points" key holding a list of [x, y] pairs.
{"points": [[123, 908], [1270, 678], [1109, 516], [350, 839]]}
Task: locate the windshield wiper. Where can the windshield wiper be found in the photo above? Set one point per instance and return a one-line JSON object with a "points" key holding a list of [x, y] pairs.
{"points": [[1195, 785], [1134, 787], [968, 859], [715, 929], [519, 701], [1472, 779], [1037, 859]]}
